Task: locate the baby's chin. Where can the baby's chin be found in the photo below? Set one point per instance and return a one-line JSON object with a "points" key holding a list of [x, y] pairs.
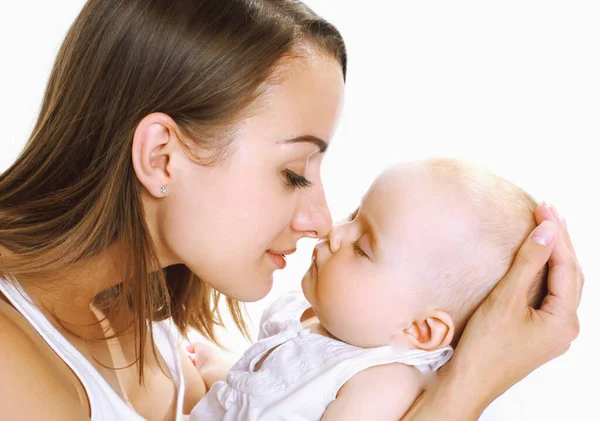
{"points": [[306, 290]]}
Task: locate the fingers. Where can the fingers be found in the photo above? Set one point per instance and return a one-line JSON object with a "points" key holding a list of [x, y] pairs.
{"points": [[565, 279], [191, 353], [543, 213], [196, 352], [569, 244], [530, 259]]}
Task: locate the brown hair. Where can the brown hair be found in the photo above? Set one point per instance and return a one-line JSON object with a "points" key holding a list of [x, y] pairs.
{"points": [[73, 192]]}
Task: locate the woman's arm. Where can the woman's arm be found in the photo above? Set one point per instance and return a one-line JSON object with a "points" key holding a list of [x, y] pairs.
{"points": [[505, 340]]}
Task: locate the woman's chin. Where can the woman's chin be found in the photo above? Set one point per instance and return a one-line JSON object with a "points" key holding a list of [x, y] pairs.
{"points": [[260, 290], [247, 290]]}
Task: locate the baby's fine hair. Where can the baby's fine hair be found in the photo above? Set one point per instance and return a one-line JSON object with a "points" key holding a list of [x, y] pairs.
{"points": [[504, 217]]}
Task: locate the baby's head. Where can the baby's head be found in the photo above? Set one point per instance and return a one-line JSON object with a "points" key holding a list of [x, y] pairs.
{"points": [[428, 243]]}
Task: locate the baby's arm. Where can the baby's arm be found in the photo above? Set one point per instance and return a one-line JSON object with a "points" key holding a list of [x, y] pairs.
{"points": [[195, 387], [384, 392]]}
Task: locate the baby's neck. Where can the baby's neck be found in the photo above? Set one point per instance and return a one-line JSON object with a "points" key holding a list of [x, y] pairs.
{"points": [[310, 321]]}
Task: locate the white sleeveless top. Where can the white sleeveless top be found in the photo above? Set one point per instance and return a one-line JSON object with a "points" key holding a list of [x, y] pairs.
{"points": [[303, 373], [105, 403]]}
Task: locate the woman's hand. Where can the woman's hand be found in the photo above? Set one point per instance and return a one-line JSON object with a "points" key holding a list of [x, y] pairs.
{"points": [[212, 363], [505, 340]]}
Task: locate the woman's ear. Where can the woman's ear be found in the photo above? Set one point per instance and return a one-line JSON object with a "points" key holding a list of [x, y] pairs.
{"points": [[150, 154], [434, 331]]}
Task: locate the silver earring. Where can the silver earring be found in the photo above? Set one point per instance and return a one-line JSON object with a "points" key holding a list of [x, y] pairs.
{"points": [[163, 190]]}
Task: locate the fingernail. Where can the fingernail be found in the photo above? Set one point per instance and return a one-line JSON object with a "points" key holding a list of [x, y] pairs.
{"points": [[544, 233]]}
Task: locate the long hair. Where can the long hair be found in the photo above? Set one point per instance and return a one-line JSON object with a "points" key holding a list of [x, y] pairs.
{"points": [[73, 192]]}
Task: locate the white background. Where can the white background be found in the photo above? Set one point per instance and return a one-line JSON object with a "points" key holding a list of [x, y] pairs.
{"points": [[513, 86]]}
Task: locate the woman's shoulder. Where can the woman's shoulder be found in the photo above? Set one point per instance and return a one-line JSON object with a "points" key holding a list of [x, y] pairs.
{"points": [[17, 333], [32, 382]]}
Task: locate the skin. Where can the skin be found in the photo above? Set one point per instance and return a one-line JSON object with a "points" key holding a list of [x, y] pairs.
{"points": [[380, 259], [503, 325], [371, 282], [538, 335], [242, 210], [159, 161]]}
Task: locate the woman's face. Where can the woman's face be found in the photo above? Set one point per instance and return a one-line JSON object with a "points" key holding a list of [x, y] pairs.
{"points": [[233, 222]]}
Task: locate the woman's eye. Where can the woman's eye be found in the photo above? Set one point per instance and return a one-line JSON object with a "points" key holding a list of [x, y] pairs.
{"points": [[294, 180], [358, 251]]}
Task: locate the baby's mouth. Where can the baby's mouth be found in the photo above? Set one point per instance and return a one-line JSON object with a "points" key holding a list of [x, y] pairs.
{"points": [[315, 255], [313, 265]]}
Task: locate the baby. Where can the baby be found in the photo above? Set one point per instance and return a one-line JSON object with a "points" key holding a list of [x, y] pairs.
{"points": [[385, 299]]}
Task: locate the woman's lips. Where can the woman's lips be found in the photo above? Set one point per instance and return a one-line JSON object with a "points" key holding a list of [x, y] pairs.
{"points": [[278, 259]]}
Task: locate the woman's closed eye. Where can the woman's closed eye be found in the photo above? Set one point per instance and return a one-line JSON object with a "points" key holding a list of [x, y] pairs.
{"points": [[294, 180]]}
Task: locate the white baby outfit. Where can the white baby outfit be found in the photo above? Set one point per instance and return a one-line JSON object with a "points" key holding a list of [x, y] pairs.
{"points": [[303, 373]]}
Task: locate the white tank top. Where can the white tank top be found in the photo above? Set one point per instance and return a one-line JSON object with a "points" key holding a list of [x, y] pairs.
{"points": [[105, 403], [301, 375]]}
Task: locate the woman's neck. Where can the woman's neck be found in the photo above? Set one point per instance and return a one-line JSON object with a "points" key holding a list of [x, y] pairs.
{"points": [[66, 297]]}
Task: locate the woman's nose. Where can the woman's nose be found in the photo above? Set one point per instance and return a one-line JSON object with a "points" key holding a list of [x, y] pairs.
{"points": [[312, 217]]}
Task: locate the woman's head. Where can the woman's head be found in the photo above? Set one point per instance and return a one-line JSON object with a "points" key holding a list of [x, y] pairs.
{"points": [[231, 222], [201, 96]]}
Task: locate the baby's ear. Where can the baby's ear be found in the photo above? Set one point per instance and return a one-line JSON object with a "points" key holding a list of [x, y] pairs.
{"points": [[434, 331]]}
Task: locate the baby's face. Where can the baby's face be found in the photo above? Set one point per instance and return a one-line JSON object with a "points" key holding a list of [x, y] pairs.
{"points": [[370, 280]]}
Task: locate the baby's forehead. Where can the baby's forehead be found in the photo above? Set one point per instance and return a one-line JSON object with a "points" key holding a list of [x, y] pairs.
{"points": [[413, 182], [412, 194], [444, 207]]}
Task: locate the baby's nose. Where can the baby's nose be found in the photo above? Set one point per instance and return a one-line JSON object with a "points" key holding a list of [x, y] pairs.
{"points": [[335, 239]]}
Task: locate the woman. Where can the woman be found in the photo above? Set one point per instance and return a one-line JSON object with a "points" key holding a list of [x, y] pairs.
{"points": [[176, 158]]}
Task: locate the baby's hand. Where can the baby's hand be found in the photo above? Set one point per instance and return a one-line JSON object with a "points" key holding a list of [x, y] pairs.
{"points": [[212, 363]]}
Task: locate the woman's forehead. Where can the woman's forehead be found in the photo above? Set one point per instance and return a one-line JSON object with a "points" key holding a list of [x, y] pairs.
{"points": [[306, 101]]}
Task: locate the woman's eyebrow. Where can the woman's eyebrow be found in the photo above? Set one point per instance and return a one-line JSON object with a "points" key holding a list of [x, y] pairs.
{"points": [[310, 139]]}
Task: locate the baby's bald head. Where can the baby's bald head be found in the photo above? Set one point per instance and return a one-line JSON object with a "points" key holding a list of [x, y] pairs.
{"points": [[474, 223]]}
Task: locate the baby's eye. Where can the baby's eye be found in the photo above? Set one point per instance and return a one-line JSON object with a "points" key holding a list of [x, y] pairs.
{"points": [[353, 215], [358, 251]]}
